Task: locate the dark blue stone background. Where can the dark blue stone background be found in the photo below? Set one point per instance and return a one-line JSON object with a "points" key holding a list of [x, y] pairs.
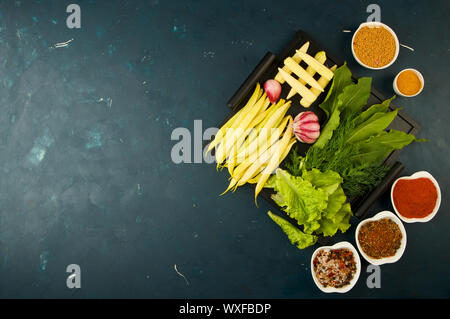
{"points": [[86, 174]]}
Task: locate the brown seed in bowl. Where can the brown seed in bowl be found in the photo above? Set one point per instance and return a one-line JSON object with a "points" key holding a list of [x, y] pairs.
{"points": [[380, 238]]}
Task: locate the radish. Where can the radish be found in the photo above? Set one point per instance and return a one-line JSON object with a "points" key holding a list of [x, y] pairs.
{"points": [[306, 127], [273, 90]]}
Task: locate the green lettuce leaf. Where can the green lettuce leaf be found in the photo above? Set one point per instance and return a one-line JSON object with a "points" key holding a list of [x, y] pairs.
{"points": [[335, 202], [311, 226], [341, 221], [295, 235], [298, 197], [346, 213], [331, 182], [328, 181], [316, 200]]}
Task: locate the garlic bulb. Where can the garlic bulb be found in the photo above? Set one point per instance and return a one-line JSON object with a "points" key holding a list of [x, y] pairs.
{"points": [[306, 127], [273, 90]]}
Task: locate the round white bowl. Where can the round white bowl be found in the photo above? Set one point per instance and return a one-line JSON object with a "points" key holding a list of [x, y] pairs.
{"points": [[377, 24], [342, 244], [438, 200], [400, 251], [419, 75]]}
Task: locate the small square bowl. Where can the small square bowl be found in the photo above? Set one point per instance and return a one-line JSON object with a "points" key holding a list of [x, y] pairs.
{"points": [[438, 200], [340, 245], [398, 253], [419, 75]]}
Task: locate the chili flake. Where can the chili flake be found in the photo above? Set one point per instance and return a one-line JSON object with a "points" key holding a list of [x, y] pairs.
{"points": [[380, 238]]}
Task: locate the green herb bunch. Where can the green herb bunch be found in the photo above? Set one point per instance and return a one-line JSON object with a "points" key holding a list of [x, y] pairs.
{"points": [[353, 142]]}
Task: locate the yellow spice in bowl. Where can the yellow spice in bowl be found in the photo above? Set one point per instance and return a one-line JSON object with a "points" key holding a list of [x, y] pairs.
{"points": [[374, 46], [408, 83]]}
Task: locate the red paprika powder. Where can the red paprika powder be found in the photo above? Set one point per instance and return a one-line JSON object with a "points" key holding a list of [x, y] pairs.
{"points": [[415, 198]]}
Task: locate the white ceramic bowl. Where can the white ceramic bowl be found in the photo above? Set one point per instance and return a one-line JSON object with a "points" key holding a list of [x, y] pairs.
{"points": [[400, 251], [438, 201], [377, 24], [422, 81], [342, 244]]}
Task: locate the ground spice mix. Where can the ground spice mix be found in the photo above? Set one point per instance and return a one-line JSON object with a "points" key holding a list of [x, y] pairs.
{"points": [[380, 238], [374, 46], [415, 198]]}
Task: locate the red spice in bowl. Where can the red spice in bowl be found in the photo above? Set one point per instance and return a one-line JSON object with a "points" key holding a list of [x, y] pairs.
{"points": [[415, 198]]}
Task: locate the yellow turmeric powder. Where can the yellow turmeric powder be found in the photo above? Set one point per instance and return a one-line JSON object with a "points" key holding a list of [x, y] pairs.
{"points": [[408, 83]]}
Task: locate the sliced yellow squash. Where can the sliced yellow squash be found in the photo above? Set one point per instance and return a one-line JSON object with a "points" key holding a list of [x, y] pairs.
{"points": [[296, 58], [321, 57], [297, 86], [303, 76], [316, 65]]}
